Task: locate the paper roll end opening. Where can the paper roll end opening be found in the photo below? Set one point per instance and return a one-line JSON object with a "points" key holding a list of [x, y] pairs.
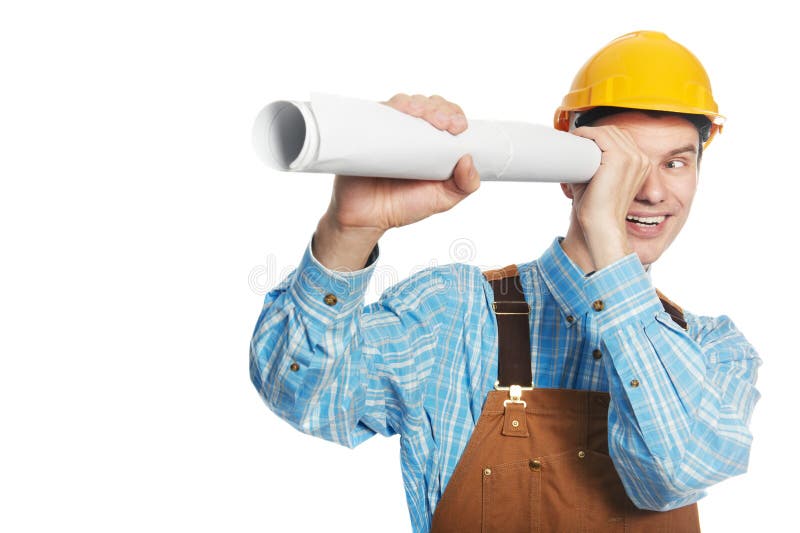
{"points": [[279, 134]]}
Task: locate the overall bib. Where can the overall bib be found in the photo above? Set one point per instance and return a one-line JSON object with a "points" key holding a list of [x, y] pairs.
{"points": [[538, 459]]}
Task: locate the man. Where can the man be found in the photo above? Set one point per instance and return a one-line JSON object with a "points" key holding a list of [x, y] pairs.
{"points": [[635, 407]]}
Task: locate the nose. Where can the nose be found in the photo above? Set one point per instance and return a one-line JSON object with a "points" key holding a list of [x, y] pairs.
{"points": [[653, 190]]}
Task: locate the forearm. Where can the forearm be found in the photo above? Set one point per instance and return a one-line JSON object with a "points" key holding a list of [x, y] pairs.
{"points": [[305, 350], [340, 371], [681, 401], [678, 432]]}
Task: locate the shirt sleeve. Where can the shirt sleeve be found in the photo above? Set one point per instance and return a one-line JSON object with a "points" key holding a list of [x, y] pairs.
{"points": [[681, 400], [336, 369]]}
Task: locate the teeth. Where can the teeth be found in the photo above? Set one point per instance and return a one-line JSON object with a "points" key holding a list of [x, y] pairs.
{"points": [[652, 221]]}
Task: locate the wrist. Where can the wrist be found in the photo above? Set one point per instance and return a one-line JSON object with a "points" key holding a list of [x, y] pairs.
{"points": [[607, 244], [343, 248]]}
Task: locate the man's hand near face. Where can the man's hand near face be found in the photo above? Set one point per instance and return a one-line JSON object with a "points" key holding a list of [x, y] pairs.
{"points": [[602, 204], [640, 197]]}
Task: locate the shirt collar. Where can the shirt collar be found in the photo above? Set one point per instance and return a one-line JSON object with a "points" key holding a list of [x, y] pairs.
{"points": [[565, 280]]}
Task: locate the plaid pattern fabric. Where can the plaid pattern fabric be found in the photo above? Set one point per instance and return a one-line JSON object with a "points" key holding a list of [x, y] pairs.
{"points": [[420, 361]]}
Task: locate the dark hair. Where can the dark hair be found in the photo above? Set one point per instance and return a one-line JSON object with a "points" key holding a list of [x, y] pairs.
{"points": [[700, 122]]}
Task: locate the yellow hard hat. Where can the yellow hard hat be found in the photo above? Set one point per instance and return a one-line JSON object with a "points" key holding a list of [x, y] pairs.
{"points": [[642, 70]]}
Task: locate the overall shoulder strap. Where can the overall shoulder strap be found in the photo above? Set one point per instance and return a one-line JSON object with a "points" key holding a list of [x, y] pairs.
{"points": [[513, 332], [673, 310]]}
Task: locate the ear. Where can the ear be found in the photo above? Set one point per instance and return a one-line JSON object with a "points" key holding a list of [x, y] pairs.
{"points": [[566, 188]]}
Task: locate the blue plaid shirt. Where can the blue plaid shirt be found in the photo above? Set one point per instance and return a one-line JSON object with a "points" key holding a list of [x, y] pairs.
{"points": [[420, 361]]}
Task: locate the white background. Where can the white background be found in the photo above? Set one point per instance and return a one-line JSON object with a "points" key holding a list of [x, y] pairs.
{"points": [[140, 233]]}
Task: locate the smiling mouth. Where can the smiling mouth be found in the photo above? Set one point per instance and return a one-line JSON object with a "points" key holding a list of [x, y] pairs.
{"points": [[646, 221]]}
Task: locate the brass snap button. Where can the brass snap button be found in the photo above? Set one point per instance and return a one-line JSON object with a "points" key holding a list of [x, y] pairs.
{"points": [[294, 367], [487, 471], [534, 465], [598, 305], [570, 319], [581, 454], [597, 354], [330, 299], [515, 423], [634, 383]]}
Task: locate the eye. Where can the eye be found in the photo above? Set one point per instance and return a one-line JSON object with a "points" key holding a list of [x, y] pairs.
{"points": [[675, 163]]}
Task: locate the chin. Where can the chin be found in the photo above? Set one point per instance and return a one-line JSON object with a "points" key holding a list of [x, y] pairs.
{"points": [[648, 254]]}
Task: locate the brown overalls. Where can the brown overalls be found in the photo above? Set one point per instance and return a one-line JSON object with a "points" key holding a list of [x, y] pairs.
{"points": [[538, 459]]}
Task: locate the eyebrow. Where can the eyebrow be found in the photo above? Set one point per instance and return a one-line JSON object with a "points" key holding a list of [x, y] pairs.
{"points": [[688, 148]]}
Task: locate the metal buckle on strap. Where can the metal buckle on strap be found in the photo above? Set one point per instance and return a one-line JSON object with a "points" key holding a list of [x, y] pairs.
{"points": [[494, 307], [514, 393]]}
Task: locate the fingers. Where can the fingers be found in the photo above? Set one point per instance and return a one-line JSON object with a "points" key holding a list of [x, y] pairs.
{"points": [[441, 113], [607, 137], [618, 147]]}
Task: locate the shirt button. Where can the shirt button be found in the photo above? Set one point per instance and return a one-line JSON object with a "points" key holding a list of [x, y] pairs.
{"points": [[534, 465], [597, 354], [634, 383], [294, 367], [570, 319], [598, 305], [330, 299]]}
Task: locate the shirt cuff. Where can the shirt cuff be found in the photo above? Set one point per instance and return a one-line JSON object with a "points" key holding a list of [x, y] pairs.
{"points": [[325, 293], [621, 292]]}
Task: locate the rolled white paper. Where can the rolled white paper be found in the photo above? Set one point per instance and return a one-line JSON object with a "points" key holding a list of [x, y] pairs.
{"points": [[338, 135]]}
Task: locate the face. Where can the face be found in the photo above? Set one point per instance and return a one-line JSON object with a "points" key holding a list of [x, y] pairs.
{"points": [[662, 205]]}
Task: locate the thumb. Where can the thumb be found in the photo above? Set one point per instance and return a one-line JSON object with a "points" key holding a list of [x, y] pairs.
{"points": [[466, 179]]}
